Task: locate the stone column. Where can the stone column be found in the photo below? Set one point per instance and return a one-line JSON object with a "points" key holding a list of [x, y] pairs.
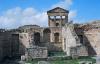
{"points": [[66, 19], [61, 21]]}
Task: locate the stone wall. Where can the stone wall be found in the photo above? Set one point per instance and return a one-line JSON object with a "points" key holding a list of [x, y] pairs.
{"points": [[93, 41], [37, 52], [23, 43], [1, 47], [68, 39], [78, 51], [5, 45]]}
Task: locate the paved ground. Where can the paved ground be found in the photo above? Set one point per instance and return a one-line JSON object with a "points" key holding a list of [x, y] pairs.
{"points": [[98, 60]]}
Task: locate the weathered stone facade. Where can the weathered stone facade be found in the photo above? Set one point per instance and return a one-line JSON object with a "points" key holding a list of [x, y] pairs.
{"points": [[60, 35], [37, 52]]}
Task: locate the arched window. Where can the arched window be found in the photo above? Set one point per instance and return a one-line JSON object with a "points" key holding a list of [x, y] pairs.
{"points": [[58, 17], [81, 38], [52, 17], [37, 38], [56, 36], [46, 35], [63, 17], [57, 24]]}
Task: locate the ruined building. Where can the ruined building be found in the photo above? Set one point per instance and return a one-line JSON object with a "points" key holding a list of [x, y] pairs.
{"points": [[60, 35]]}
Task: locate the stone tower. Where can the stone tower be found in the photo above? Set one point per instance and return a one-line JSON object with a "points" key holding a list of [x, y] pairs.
{"points": [[57, 17]]}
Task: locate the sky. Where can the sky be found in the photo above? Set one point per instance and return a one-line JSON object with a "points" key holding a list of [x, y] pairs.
{"points": [[15, 13]]}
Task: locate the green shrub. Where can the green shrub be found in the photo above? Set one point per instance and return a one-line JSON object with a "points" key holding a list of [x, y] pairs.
{"points": [[56, 53]]}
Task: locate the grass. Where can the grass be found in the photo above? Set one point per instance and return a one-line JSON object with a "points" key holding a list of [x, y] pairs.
{"points": [[57, 62], [87, 58], [66, 61], [32, 61]]}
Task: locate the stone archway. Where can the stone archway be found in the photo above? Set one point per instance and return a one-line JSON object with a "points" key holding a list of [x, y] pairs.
{"points": [[46, 35], [37, 38], [56, 37]]}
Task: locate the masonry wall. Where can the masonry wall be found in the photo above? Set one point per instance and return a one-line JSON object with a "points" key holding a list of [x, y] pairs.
{"points": [[1, 47], [23, 43], [68, 39], [93, 41], [5, 45], [37, 52]]}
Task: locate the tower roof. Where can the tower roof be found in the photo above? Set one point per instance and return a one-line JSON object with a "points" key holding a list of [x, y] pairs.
{"points": [[57, 10]]}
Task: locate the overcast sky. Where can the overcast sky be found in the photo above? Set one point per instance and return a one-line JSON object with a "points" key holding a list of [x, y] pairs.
{"points": [[14, 13]]}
